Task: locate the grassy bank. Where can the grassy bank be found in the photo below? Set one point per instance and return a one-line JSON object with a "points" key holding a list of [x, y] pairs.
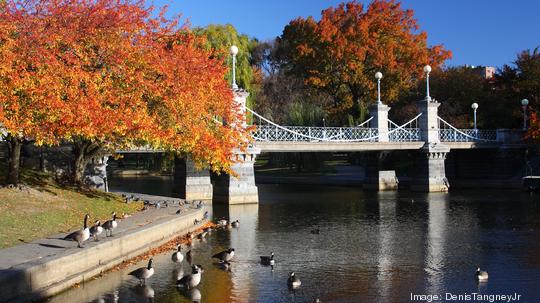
{"points": [[42, 208]]}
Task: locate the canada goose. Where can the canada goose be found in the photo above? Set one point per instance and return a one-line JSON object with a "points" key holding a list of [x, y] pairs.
{"points": [[225, 255], [195, 295], [268, 260], [202, 235], [179, 211], [178, 272], [177, 256], [222, 222], [81, 235], [226, 266], [235, 224], [481, 275], [143, 273], [293, 281], [206, 215], [144, 291], [191, 280], [110, 225], [96, 230]]}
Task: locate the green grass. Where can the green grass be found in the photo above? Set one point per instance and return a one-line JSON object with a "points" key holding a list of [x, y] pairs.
{"points": [[43, 208]]}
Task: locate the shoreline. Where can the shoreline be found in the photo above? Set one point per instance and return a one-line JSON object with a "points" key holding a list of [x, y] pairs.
{"points": [[404, 183], [45, 267]]}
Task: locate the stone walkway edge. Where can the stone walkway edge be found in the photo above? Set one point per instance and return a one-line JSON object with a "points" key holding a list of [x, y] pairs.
{"points": [[45, 267]]}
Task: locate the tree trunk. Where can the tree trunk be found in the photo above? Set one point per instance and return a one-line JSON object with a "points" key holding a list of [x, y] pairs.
{"points": [[83, 151], [14, 160], [79, 164]]}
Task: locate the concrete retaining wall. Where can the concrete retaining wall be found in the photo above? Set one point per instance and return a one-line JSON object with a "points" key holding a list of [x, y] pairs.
{"points": [[48, 276]]}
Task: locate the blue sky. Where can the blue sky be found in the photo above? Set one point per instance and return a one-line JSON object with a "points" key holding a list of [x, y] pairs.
{"points": [[478, 32]]}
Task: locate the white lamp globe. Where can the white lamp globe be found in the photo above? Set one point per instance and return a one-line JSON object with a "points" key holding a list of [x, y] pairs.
{"points": [[378, 75], [427, 69], [234, 50], [524, 102], [474, 105]]}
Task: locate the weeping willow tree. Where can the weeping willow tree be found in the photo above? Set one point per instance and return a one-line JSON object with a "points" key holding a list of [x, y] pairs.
{"points": [[301, 113]]}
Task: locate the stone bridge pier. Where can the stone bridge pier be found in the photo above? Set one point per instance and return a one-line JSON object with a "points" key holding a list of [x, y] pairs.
{"points": [[380, 174], [429, 169], [430, 172], [236, 188], [239, 189], [191, 183]]}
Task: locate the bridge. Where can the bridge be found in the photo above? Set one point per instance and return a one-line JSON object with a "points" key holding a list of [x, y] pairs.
{"points": [[426, 133], [430, 136]]}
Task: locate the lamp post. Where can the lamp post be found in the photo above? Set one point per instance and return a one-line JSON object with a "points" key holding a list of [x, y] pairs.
{"points": [[323, 122], [427, 70], [378, 76], [234, 52], [474, 106], [524, 104]]}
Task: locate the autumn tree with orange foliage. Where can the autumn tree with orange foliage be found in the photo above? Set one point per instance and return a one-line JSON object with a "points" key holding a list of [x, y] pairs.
{"points": [[106, 74], [341, 53], [533, 132]]}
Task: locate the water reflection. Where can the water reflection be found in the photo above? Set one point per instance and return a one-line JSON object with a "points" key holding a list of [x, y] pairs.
{"points": [[372, 247], [386, 234], [144, 292], [435, 242], [244, 239]]}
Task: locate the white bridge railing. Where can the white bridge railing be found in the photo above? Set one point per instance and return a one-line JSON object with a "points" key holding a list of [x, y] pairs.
{"points": [[275, 132], [267, 130], [271, 131], [407, 132], [448, 133], [310, 134]]}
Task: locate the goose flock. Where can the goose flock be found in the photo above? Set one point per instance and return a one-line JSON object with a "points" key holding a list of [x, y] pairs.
{"points": [[81, 235], [189, 281]]}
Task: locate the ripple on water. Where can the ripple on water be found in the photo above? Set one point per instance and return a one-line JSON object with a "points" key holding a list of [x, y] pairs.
{"points": [[371, 248]]}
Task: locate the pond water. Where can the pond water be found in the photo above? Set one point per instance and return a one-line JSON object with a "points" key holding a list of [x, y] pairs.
{"points": [[372, 247]]}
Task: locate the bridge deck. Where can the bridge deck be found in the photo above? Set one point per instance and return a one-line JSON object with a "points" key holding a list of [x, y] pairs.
{"points": [[286, 146], [295, 146]]}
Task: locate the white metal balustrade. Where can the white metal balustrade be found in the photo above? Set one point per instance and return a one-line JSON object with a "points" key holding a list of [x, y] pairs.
{"points": [[407, 132], [314, 134], [448, 133]]}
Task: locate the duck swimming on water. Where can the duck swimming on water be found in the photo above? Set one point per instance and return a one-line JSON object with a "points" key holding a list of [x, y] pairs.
{"points": [[481, 275], [225, 255], [293, 281], [177, 256], [143, 273], [268, 260]]}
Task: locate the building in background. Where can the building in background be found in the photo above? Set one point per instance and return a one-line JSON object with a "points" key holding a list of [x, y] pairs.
{"points": [[487, 72]]}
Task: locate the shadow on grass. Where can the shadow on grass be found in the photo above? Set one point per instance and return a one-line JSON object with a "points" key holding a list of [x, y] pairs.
{"points": [[43, 182], [95, 194]]}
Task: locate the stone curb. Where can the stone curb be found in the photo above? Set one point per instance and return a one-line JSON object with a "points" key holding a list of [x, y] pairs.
{"points": [[47, 276]]}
